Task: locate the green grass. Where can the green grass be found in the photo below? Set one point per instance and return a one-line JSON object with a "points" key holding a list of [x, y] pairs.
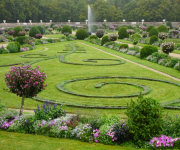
{"points": [[53, 35], [19, 141], [57, 72], [176, 51]]}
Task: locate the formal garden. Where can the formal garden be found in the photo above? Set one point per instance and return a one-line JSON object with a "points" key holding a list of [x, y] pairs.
{"points": [[110, 87]]}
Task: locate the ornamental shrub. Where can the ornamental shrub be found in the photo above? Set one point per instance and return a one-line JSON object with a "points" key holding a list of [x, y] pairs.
{"points": [[81, 34], [26, 29], [52, 24], [11, 32], [169, 24], [149, 28], [40, 28], [33, 31], [163, 35], [173, 62], [130, 31], [22, 33], [93, 28], [25, 81], [38, 36], [136, 35], [104, 39], [93, 37], [147, 50], [16, 30], [66, 28], [168, 47], [100, 33], [123, 33], [48, 112], [144, 119], [130, 27], [12, 47], [21, 39], [163, 28], [1, 31], [123, 46], [153, 39], [153, 31], [113, 37]]}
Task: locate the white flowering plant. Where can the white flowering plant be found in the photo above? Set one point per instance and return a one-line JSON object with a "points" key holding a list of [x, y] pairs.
{"points": [[168, 47]]}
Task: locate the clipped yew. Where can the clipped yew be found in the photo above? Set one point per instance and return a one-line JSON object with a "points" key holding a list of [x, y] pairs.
{"points": [[33, 31], [25, 81]]}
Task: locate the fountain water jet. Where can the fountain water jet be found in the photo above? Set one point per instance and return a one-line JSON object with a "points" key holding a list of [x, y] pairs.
{"points": [[90, 18]]}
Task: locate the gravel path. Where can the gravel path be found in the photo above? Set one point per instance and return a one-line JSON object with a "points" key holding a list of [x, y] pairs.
{"points": [[164, 74], [4, 45]]}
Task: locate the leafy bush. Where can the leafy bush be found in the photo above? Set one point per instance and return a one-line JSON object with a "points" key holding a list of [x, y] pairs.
{"points": [[167, 47], [93, 28], [176, 144], [22, 33], [81, 34], [48, 112], [33, 31], [18, 45], [93, 37], [21, 39], [163, 28], [163, 35], [10, 38], [136, 35], [169, 24], [149, 28], [26, 29], [153, 31], [113, 37], [144, 34], [3, 50], [123, 46], [16, 30], [159, 55], [130, 31], [104, 39], [130, 27], [38, 36], [40, 28], [123, 33], [147, 50], [153, 39], [11, 32], [58, 29], [173, 62], [144, 119], [51, 26], [66, 28], [100, 33], [12, 47]]}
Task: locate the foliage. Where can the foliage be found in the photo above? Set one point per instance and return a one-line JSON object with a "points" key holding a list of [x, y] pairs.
{"points": [[144, 119], [153, 39], [12, 47], [33, 31], [130, 31], [52, 24], [48, 111], [40, 28], [149, 28], [144, 34], [123, 46], [163, 28], [163, 35], [2, 107], [113, 37], [147, 50], [81, 34], [100, 33], [167, 47], [93, 37], [3, 50], [22, 33], [66, 28], [153, 31], [26, 29], [11, 32], [18, 45], [93, 28], [21, 39], [123, 33], [104, 39], [16, 30], [38, 36], [136, 35], [169, 24]]}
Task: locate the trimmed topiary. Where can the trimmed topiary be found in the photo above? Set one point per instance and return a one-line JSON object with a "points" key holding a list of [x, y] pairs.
{"points": [[40, 29], [21, 39], [169, 24], [163, 28], [66, 28], [100, 33], [153, 31], [16, 30], [12, 47], [93, 28], [81, 34], [33, 31], [123, 46], [149, 28], [136, 35], [93, 37], [123, 33], [147, 50], [104, 39], [153, 39]]}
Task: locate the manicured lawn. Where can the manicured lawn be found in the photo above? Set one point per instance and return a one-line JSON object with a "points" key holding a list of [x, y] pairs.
{"points": [[57, 72], [18, 141], [53, 35]]}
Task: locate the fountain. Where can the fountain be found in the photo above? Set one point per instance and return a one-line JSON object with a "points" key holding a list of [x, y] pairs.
{"points": [[90, 18]]}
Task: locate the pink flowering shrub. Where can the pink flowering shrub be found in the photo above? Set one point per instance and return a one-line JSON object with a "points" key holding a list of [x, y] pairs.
{"points": [[25, 81], [38, 36], [21, 33]]}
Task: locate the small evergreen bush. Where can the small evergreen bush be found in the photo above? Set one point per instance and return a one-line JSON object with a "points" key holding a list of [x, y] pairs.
{"points": [[153, 31], [12, 47], [149, 28], [169, 24], [93, 37], [40, 28], [66, 28], [81, 34], [123, 46], [147, 50], [144, 119], [130, 27], [153, 39], [123, 33], [52, 24], [104, 39], [21, 39], [136, 35], [163, 28], [16, 30], [33, 31]]}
